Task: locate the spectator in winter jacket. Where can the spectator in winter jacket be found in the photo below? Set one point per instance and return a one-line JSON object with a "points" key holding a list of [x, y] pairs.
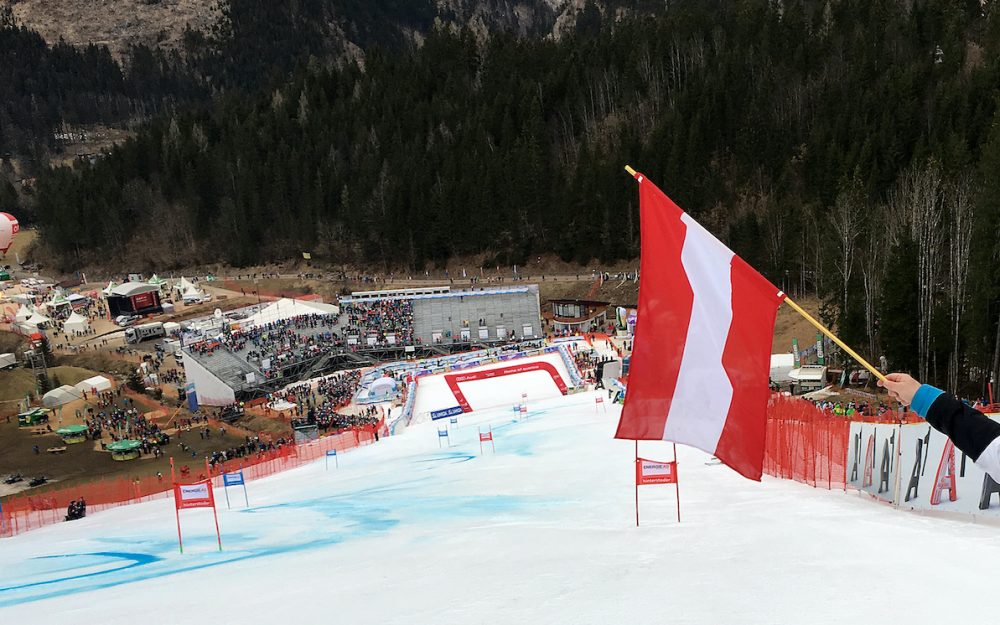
{"points": [[971, 431]]}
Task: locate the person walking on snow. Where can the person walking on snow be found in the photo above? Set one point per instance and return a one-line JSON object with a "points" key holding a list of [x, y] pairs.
{"points": [[973, 432]]}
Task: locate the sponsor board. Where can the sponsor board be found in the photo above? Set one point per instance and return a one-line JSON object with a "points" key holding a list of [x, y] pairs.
{"points": [[447, 412]]}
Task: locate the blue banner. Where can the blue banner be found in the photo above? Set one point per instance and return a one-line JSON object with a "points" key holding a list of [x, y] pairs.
{"points": [[447, 412], [442, 433], [454, 420], [232, 479], [192, 397], [332, 452]]}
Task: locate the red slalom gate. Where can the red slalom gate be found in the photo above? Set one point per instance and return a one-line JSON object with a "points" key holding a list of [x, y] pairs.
{"points": [[656, 472], [486, 436]]}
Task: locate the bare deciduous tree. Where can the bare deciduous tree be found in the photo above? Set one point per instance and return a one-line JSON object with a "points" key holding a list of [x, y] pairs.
{"points": [[921, 188], [960, 203], [847, 222]]}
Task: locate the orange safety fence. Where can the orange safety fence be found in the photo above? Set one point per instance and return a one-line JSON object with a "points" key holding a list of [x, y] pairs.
{"points": [[27, 512], [808, 444]]}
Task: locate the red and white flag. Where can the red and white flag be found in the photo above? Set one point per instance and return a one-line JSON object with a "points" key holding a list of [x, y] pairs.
{"points": [[701, 356]]}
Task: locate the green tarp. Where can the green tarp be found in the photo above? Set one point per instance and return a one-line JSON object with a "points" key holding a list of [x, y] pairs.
{"points": [[127, 445], [69, 430]]}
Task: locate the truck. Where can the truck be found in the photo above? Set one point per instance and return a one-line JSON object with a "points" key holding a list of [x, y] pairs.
{"points": [[7, 361], [144, 332]]}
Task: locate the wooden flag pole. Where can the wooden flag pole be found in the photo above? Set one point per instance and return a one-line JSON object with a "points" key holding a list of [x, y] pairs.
{"points": [[819, 326]]}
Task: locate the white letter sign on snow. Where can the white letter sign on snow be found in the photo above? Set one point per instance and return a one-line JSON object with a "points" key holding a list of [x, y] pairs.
{"points": [[701, 356]]}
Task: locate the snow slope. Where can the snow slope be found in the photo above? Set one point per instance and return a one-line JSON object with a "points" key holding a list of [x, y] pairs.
{"points": [[541, 532], [433, 392]]}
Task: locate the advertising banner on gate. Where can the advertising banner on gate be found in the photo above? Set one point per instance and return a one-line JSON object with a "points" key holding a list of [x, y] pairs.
{"points": [[232, 479], [197, 495], [655, 472], [447, 412]]}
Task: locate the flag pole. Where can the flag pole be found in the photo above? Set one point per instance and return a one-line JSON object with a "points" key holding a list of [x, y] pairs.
{"points": [[819, 326], [636, 484]]}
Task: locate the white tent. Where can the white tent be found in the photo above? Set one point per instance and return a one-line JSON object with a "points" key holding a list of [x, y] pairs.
{"points": [[76, 323], [286, 309], [59, 396], [382, 388], [184, 285], [192, 293], [36, 319], [98, 383], [23, 313], [111, 287]]}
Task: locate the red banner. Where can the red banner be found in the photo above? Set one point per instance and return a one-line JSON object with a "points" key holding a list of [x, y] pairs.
{"points": [[197, 495], [655, 472], [485, 436], [142, 301], [454, 379]]}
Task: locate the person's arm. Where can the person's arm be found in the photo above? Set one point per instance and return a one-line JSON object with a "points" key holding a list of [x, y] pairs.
{"points": [[972, 432]]}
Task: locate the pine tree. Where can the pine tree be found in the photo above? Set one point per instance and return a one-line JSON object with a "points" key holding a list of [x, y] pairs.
{"points": [[134, 381]]}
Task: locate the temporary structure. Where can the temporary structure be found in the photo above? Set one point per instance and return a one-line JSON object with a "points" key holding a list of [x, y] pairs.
{"points": [[59, 396], [108, 289], [125, 450], [286, 308], [23, 313], [75, 299], [157, 281], [58, 301], [97, 383], [192, 294], [73, 433], [76, 323], [36, 319]]}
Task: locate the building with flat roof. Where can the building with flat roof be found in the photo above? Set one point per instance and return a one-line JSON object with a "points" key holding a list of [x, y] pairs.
{"points": [[577, 315]]}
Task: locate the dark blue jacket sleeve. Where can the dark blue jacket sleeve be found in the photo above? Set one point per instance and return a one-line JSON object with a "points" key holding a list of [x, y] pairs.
{"points": [[969, 429]]}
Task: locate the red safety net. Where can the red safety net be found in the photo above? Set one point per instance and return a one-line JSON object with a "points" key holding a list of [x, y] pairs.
{"points": [[808, 444], [27, 512]]}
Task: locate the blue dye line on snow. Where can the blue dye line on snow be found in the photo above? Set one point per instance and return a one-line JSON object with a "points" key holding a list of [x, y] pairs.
{"points": [[365, 512]]}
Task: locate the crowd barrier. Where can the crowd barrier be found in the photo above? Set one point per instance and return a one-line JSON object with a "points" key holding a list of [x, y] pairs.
{"points": [[28, 512], [913, 466], [810, 445]]}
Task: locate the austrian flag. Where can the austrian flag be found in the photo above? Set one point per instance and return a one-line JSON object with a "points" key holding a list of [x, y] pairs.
{"points": [[700, 360]]}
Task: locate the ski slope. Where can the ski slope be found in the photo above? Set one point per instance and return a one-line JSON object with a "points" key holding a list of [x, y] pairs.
{"points": [[433, 392], [405, 532]]}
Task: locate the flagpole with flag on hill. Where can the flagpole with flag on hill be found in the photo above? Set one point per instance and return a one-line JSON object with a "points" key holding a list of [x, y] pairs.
{"points": [[701, 355]]}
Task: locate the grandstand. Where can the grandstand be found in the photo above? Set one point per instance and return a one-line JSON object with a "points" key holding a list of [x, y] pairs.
{"points": [[441, 315], [256, 352]]}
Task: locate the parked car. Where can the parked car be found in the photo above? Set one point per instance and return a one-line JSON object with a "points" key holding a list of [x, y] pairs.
{"points": [[126, 320]]}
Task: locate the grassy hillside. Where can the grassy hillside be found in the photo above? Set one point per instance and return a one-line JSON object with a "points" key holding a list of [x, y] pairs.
{"points": [[16, 383]]}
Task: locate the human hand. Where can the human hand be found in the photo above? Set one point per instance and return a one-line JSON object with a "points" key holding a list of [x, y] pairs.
{"points": [[901, 387]]}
